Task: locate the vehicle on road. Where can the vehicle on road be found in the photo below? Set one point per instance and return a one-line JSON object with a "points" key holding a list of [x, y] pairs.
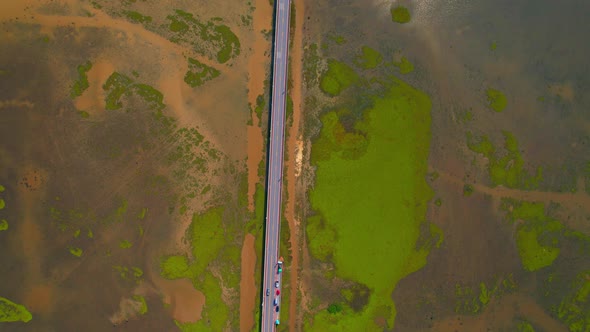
{"points": [[280, 264], [276, 302], [267, 291], [277, 322], [277, 284], [278, 292], [277, 309]]}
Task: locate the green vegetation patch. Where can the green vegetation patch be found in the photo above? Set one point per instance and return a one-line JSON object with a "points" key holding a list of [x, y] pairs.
{"points": [[2, 204], [3, 225], [337, 78], [496, 100], [404, 65], [12, 312], [207, 237], [199, 73], [210, 38], [125, 244], [143, 308], [537, 235], [369, 58], [574, 309], [505, 169], [400, 14], [81, 84], [375, 200], [76, 251], [118, 86], [472, 299], [137, 17], [175, 267]]}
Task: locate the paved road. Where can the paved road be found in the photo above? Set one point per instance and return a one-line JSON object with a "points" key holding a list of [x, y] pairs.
{"points": [[275, 165]]}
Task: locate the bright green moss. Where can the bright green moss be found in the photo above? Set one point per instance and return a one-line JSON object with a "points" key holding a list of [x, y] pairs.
{"points": [[119, 85], [509, 169], [532, 254], [574, 309], [2, 204], [125, 244], [337, 78], [373, 176], [137, 17], [524, 326], [369, 58], [12, 312], [207, 237], [175, 267], [143, 308], [3, 225], [199, 73], [76, 251], [81, 84], [496, 100], [484, 294], [400, 14], [404, 65], [320, 237]]}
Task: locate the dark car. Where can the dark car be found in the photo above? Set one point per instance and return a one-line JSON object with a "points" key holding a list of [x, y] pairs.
{"points": [[277, 310], [267, 291]]}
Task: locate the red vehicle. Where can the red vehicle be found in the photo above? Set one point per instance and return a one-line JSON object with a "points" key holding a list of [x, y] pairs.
{"points": [[278, 292]]}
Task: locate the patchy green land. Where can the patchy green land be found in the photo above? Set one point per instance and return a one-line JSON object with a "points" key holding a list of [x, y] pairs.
{"points": [[537, 236], [404, 65], [505, 168], [371, 197], [337, 78], [3, 225], [210, 39], [369, 58], [400, 14], [12, 312], [137, 17], [81, 84], [198, 73], [496, 100], [143, 308]]}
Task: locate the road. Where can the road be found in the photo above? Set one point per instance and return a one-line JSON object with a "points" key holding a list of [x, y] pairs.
{"points": [[275, 165]]}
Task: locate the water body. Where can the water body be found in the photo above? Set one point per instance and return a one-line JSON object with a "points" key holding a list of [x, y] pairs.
{"points": [[535, 53]]}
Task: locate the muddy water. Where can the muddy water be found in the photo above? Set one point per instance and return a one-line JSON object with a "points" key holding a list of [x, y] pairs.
{"points": [[258, 71], [247, 284], [528, 50]]}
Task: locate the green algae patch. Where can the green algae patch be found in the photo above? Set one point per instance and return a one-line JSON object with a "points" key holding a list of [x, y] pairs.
{"points": [[142, 213], [175, 267], [532, 254], [84, 114], [143, 308], [207, 38], [400, 14], [371, 190], [496, 100], [76, 251], [136, 17], [505, 168], [13, 312], [369, 58], [493, 46], [2, 188], [81, 84], [118, 86], [404, 65], [574, 309], [198, 73], [320, 238], [524, 326], [472, 299], [537, 236], [125, 244], [3, 225], [2, 204], [337, 78], [207, 237]]}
